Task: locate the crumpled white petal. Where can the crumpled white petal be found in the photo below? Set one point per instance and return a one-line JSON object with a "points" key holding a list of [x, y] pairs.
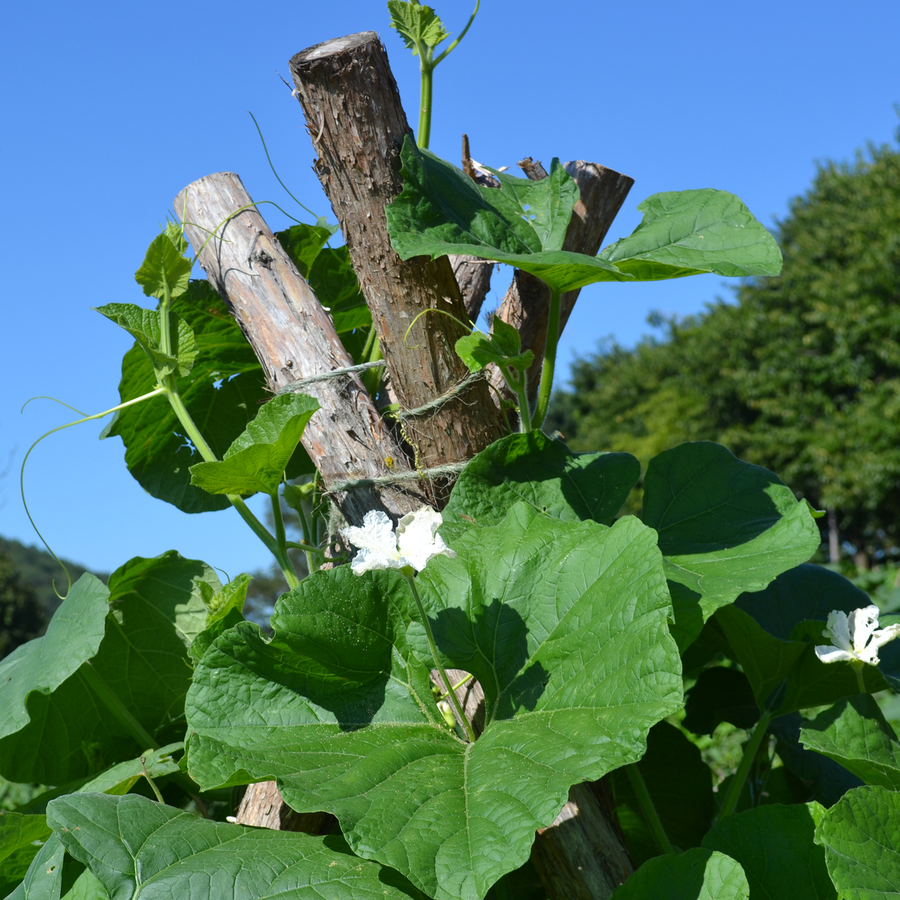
{"points": [[415, 542], [855, 637]]}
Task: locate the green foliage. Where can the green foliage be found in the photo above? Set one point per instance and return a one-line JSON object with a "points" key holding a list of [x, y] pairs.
{"points": [[21, 617], [801, 375]]}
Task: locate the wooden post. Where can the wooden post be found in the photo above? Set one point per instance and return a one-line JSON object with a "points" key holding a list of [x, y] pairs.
{"points": [[294, 338], [357, 124], [527, 302]]}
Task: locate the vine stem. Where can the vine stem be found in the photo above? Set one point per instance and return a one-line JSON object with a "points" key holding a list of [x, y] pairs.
{"points": [[648, 808], [454, 700], [170, 388], [543, 401], [427, 89], [743, 770]]}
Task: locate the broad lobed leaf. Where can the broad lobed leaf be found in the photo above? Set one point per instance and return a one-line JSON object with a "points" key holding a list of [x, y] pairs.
{"points": [[564, 624]]}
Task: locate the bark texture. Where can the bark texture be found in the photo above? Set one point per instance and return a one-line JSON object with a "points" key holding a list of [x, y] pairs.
{"points": [[357, 124], [294, 338], [527, 302]]}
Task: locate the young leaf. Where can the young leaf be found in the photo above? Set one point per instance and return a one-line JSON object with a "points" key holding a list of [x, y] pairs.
{"points": [[699, 874], [418, 26], [859, 837], [56, 728], [564, 625], [143, 325], [165, 270], [257, 460], [544, 473], [138, 848], [725, 527], [21, 837], [223, 394], [692, 232], [478, 350], [774, 845], [855, 734]]}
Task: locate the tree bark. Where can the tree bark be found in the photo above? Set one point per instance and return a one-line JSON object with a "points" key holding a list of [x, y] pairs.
{"points": [[527, 302], [357, 123], [294, 338]]}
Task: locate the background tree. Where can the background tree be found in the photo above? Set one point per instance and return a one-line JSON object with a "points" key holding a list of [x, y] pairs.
{"points": [[801, 375], [21, 618]]}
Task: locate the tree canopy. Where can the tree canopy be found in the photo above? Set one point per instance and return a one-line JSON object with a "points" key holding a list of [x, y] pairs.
{"points": [[801, 374]]}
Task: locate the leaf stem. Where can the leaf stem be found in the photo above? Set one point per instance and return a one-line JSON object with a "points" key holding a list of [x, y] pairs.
{"points": [[543, 401], [454, 700], [121, 712], [750, 750], [424, 135], [648, 808]]}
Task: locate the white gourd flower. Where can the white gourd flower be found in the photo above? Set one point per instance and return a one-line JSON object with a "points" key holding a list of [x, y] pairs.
{"points": [[414, 543], [855, 638]]}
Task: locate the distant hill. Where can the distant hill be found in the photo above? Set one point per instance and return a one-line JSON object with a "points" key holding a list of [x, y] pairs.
{"points": [[38, 569]]}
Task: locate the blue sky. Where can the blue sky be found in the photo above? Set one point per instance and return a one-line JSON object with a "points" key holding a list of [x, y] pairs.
{"points": [[110, 109]]}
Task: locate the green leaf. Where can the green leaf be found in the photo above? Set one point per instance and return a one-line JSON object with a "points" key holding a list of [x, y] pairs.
{"points": [[303, 243], [56, 728], [442, 211], [143, 325], [223, 394], [73, 636], [767, 633], [774, 845], [43, 880], [256, 461], [855, 734], [138, 848], [680, 786], [698, 874], [564, 625], [21, 837], [165, 270], [225, 610], [691, 232], [725, 527], [859, 837], [543, 473], [478, 350], [720, 694], [418, 26]]}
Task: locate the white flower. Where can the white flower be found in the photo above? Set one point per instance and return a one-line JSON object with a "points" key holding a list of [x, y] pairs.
{"points": [[855, 637], [415, 542]]}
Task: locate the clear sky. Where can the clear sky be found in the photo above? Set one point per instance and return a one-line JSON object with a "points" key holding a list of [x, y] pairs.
{"points": [[110, 109]]}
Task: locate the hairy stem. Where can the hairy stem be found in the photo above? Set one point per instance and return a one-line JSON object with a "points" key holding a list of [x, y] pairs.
{"points": [[454, 700], [424, 135]]}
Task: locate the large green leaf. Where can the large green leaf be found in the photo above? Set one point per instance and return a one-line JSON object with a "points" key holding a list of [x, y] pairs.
{"points": [[60, 728], [138, 848], [144, 326], [680, 785], [543, 473], [256, 461], [725, 527], [43, 880], [223, 393], [21, 837], [859, 836], [564, 625], [855, 734], [698, 874], [690, 232], [442, 211], [774, 845], [773, 633]]}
